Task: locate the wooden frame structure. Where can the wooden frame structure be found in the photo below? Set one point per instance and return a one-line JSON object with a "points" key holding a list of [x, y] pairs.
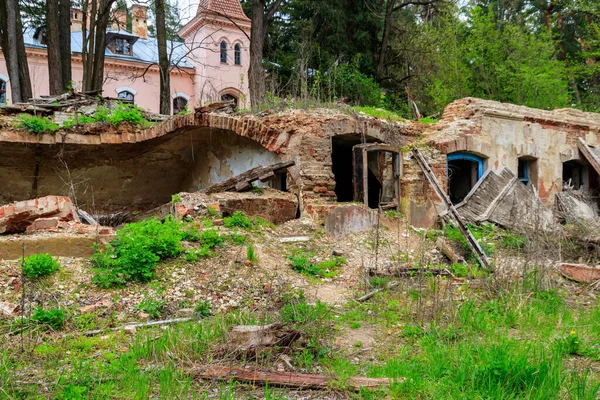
{"points": [[360, 164]]}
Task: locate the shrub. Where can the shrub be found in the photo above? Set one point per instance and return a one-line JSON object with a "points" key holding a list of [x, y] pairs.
{"points": [[238, 220], [127, 113], [203, 308], [39, 265], [35, 124], [211, 239], [138, 247], [153, 307], [53, 318]]}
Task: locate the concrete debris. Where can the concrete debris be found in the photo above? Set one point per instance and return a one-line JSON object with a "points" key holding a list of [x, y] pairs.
{"points": [[271, 205], [505, 201], [243, 182], [342, 220], [577, 207], [294, 239], [18, 216], [579, 272], [9, 309]]}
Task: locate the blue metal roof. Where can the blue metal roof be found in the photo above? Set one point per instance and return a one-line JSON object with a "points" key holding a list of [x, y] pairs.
{"points": [[144, 50]]}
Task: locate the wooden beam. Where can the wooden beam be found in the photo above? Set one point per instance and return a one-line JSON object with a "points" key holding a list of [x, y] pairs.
{"points": [[589, 154], [286, 379], [244, 180]]}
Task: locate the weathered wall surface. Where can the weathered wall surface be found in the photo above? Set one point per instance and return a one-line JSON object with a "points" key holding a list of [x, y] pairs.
{"points": [[501, 134]]}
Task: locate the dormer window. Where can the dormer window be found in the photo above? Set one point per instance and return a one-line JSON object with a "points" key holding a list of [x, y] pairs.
{"points": [[122, 46], [119, 42]]}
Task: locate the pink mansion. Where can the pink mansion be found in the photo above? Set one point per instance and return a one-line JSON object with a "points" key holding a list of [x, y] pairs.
{"points": [[211, 63]]}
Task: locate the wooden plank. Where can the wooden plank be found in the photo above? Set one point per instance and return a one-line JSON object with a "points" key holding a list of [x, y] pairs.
{"points": [[244, 180], [266, 177], [589, 154], [286, 379], [471, 241]]}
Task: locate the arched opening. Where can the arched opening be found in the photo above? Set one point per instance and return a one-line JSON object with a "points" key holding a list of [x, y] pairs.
{"points": [[224, 52], [126, 97], [229, 97], [343, 171], [464, 170], [179, 104], [238, 54]]}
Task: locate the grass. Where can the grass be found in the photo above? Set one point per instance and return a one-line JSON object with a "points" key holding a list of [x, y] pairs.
{"points": [[303, 262], [377, 112], [512, 342]]}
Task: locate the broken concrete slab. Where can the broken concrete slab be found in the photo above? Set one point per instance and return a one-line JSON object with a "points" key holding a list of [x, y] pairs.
{"points": [[17, 216], [579, 272], [294, 239], [56, 244], [272, 205], [351, 218]]}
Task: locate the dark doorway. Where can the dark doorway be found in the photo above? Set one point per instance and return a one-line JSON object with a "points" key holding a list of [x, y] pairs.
{"points": [[341, 158], [464, 170], [572, 175]]}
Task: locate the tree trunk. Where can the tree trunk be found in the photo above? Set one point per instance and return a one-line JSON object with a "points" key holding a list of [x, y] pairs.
{"points": [[65, 42], [55, 80], [24, 78], [385, 39], [256, 72], [163, 59], [97, 63], [13, 57]]}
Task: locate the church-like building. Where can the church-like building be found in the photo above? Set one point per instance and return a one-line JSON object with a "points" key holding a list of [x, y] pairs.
{"points": [[209, 64]]}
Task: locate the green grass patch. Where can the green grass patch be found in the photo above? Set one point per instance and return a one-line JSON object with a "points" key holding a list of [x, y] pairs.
{"points": [[39, 265], [303, 263]]}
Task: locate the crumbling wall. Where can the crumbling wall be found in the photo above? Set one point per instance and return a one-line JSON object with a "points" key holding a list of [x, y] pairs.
{"points": [[501, 134], [104, 168]]}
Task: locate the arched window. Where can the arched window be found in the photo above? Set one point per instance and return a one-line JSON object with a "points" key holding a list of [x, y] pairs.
{"points": [[238, 54], [179, 104], [126, 97], [223, 52], [2, 91]]}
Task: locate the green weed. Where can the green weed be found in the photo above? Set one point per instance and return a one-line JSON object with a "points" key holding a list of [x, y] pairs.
{"points": [[53, 318], [35, 124], [40, 265], [153, 307]]}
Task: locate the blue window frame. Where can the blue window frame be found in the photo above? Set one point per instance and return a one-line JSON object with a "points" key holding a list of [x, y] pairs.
{"points": [[469, 157], [223, 52]]}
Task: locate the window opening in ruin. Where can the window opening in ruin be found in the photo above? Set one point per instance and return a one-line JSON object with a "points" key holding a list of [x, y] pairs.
{"points": [[572, 175], [224, 52], [527, 171], [464, 170], [280, 181], [342, 168]]}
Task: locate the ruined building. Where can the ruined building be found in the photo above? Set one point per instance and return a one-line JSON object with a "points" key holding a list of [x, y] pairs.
{"points": [[337, 158], [210, 63]]}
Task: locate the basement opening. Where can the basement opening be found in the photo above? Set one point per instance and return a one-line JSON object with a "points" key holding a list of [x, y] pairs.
{"points": [[464, 170], [341, 158]]}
